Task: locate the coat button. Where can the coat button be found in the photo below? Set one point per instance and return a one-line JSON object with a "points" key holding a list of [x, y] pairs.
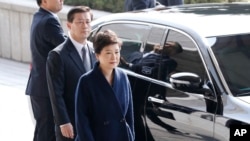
{"points": [[106, 123]]}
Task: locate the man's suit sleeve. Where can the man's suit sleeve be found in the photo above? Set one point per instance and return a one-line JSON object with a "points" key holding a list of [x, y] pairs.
{"points": [[55, 79], [54, 33]]}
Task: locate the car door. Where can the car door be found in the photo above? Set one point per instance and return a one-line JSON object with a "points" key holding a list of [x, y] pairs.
{"points": [[177, 115]]}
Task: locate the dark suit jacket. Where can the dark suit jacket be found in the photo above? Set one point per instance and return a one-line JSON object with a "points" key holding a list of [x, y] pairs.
{"points": [[131, 5], [104, 112], [155, 66], [46, 34], [64, 68]]}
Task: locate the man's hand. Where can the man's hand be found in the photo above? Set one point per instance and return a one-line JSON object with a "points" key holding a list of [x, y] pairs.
{"points": [[124, 62], [67, 130]]}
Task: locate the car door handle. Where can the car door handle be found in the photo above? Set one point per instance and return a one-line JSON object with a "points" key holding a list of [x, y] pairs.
{"points": [[155, 100]]}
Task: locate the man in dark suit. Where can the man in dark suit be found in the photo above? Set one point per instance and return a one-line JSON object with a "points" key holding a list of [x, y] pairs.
{"points": [[131, 5], [65, 65], [157, 63], [46, 34]]}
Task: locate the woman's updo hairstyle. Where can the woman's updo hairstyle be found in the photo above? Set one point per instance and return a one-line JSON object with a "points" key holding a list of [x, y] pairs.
{"points": [[105, 38]]}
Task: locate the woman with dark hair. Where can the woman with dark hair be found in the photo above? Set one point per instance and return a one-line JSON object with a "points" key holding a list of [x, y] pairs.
{"points": [[104, 108]]}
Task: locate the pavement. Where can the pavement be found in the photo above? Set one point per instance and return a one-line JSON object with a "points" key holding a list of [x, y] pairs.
{"points": [[16, 118]]}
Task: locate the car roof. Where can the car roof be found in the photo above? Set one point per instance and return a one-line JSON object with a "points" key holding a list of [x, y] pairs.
{"points": [[207, 20]]}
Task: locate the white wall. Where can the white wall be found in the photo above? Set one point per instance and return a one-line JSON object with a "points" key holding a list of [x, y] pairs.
{"points": [[15, 21]]}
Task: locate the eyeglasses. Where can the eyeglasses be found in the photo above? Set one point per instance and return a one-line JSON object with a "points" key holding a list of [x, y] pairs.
{"points": [[82, 22]]}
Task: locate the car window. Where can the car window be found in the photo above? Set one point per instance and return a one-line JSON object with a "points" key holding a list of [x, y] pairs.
{"points": [[147, 62], [159, 64], [150, 62], [233, 56], [189, 60], [155, 37], [132, 35]]}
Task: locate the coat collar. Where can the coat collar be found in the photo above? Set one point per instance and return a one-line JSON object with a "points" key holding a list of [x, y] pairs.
{"points": [[112, 95]]}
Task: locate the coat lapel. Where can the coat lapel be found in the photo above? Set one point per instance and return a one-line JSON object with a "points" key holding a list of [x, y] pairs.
{"points": [[111, 95], [118, 86]]}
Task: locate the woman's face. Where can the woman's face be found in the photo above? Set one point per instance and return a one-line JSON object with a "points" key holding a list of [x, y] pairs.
{"points": [[109, 57]]}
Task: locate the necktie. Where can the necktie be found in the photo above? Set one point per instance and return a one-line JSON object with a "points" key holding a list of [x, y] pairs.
{"points": [[85, 58]]}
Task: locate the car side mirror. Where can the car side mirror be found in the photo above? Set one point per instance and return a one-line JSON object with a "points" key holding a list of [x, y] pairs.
{"points": [[189, 82]]}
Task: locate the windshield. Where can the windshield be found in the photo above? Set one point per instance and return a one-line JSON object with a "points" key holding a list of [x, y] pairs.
{"points": [[233, 56]]}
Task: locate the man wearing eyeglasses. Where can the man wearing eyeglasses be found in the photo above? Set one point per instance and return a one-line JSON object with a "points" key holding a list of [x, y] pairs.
{"points": [[65, 64]]}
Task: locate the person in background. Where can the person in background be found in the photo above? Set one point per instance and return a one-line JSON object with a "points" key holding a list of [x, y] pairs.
{"points": [[46, 33], [104, 107], [65, 64], [171, 2], [158, 62], [131, 5]]}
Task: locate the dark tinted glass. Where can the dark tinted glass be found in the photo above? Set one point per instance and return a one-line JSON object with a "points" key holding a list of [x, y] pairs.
{"points": [[233, 56], [189, 60]]}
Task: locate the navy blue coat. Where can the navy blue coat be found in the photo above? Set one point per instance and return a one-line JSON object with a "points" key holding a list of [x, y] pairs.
{"points": [[104, 112], [46, 34], [64, 68]]}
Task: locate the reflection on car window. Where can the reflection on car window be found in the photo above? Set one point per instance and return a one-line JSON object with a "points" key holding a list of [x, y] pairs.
{"points": [[132, 35], [156, 37], [189, 60], [233, 56], [157, 63], [154, 60]]}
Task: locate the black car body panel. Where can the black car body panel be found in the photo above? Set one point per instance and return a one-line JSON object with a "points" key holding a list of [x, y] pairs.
{"points": [[210, 89]]}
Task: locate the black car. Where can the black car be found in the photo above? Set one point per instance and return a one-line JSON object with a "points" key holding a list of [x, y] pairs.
{"points": [[209, 90]]}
